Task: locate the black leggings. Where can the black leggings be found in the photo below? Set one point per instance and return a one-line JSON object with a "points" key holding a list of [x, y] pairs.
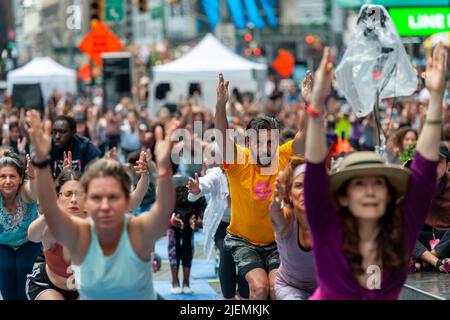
{"points": [[423, 243], [228, 275], [180, 247]]}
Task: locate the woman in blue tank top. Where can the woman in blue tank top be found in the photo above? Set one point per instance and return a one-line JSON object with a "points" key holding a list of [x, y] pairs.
{"points": [[17, 210], [110, 253]]}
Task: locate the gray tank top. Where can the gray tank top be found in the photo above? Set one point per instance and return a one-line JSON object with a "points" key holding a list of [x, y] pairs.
{"points": [[297, 267]]}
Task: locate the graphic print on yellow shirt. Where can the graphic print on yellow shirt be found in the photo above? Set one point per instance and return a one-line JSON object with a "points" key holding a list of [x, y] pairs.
{"points": [[251, 194]]}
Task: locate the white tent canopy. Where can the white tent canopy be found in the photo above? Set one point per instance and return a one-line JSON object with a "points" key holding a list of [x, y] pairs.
{"points": [[48, 73], [202, 64]]}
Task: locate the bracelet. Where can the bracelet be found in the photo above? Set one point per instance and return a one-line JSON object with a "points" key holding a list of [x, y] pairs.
{"points": [[313, 113], [433, 122], [40, 165], [165, 173]]}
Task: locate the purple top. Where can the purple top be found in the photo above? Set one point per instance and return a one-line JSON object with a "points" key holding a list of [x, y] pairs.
{"points": [[297, 265], [335, 277]]}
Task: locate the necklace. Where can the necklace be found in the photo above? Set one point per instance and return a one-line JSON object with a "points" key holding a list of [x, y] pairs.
{"points": [[16, 215]]}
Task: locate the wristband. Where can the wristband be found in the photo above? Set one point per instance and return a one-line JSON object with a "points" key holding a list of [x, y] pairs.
{"points": [[172, 218], [165, 173], [40, 165], [312, 113], [433, 122]]}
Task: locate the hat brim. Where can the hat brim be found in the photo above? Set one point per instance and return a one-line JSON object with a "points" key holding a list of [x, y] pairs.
{"points": [[397, 176]]}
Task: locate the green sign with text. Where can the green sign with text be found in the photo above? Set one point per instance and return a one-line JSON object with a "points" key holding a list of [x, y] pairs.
{"points": [[420, 21], [114, 10], [392, 3]]}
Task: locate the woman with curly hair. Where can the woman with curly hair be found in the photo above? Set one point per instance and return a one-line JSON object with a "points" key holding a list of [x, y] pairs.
{"points": [[400, 141]]}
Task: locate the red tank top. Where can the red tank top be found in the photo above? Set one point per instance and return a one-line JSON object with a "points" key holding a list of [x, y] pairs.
{"points": [[54, 258]]}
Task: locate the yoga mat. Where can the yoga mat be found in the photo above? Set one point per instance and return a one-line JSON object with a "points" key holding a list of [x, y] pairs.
{"points": [[202, 291]]}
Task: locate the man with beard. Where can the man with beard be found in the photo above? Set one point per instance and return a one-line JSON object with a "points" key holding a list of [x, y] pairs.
{"points": [[252, 172]]}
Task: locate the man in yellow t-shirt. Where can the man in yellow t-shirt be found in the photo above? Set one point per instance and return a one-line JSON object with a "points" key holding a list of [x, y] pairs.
{"points": [[251, 175]]}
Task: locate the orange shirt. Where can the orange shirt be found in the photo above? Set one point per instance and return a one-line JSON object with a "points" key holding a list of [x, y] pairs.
{"points": [[251, 191]]}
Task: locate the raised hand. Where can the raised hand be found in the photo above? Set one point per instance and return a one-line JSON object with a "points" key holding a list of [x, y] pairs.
{"points": [[307, 86], [435, 71], [222, 91], [67, 164], [171, 126], [30, 170], [142, 166], [163, 146], [280, 188], [193, 185], [21, 143], [322, 80], [40, 139]]}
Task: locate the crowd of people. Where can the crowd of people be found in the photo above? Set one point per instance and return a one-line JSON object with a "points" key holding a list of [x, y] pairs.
{"points": [[304, 209]]}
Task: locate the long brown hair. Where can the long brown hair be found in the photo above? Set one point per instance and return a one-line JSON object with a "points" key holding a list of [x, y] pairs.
{"points": [[400, 134], [391, 242]]}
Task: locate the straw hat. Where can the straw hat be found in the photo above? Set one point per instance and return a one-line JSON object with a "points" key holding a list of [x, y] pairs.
{"points": [[365, 163]]}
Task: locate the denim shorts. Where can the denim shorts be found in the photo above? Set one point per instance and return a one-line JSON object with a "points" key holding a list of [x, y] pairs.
{"points": [[248, 256]]}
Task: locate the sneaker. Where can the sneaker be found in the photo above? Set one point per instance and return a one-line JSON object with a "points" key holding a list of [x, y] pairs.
{"points": [[176, 290], [444, 265], [187, 290]]}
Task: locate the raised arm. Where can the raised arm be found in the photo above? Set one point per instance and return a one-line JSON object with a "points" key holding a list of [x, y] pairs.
{"points": [[154, 224], [316, 146], [280, 217], [64, 229], [428, 143], [28, 189], [220, 120], [198, 187], [299, 144], [142, 169]]}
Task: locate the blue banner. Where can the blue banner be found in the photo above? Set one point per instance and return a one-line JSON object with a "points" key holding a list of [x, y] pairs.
{"points": [[253, 14], [237, 13], [212, 11], [394, 3], [269, 11]]}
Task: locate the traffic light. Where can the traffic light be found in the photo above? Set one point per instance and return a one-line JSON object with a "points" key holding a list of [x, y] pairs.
{"points": [[313, 41], [248, 37], [257, 52], [96, 10], [309, 39], [143, 5]]}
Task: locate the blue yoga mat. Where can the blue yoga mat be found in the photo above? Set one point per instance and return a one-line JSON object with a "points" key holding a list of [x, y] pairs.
{"points": [[203, 269], [202, 291], [161, 248]]}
